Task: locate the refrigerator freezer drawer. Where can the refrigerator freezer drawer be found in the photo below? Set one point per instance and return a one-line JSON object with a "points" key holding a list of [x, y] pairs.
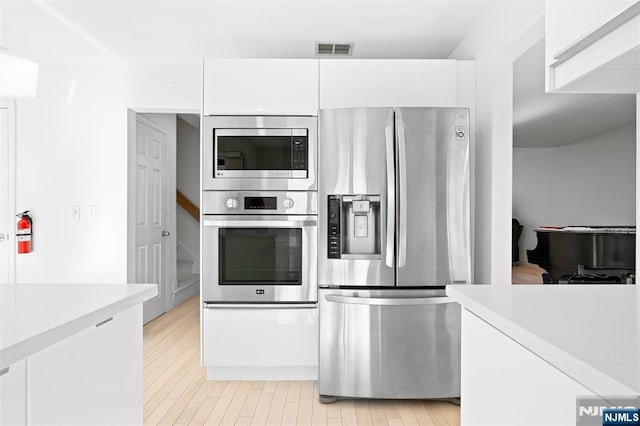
{"points": [[389, 344]]}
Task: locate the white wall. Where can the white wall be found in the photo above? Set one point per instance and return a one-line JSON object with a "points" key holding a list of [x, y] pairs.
{"points": [[72, 150], [494, 42], [590, 182], [188, 182]]}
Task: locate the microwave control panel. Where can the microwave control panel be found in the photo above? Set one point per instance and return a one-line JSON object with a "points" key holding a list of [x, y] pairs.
{"points": [[299, 153]]}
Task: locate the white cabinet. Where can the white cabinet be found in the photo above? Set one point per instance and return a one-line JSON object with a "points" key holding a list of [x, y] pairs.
{"points": [[260, 343], [94, 376], [503, 383], [260, 87], [403, 83], [591, 46], [13, 410]]}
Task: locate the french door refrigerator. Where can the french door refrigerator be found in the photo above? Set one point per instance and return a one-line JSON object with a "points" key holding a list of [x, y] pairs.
{"points": [[394, 230]]}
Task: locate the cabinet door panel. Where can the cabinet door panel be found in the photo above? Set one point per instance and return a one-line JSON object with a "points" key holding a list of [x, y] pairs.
{"points": [[93, 377], [502, 380], [260, 337], [260, 87], [569, 21], [385, 83], [13, 395]]}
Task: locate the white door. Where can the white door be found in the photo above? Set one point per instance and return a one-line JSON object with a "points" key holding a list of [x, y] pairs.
{"points": [[7, 215], [150, 208]]}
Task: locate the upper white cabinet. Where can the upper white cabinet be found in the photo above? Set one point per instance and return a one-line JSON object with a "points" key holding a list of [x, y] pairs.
{"points": [[260, 87], [404, 83], [592, 46]]}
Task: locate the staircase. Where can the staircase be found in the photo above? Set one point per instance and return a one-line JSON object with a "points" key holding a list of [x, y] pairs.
{"points": [[188, 263], [185, 273]]}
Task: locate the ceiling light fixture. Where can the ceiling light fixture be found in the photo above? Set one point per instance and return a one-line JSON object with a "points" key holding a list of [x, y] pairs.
{"points": [[18, 77]]}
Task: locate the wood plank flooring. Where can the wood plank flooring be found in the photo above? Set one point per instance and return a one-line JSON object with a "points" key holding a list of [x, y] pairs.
{"points": [[176, 390]]}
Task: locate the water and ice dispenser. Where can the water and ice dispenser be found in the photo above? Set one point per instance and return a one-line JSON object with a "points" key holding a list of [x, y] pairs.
{"points": [[354, 230]]}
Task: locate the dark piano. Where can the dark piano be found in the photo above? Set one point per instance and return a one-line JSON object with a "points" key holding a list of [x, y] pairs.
{"points": [[586, 254]]}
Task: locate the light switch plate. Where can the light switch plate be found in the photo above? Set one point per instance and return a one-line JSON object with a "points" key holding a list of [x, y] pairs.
{"points": [[75, 212]]}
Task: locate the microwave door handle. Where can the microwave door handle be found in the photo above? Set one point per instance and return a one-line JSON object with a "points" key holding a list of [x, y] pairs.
{"points": [[391, 197]]}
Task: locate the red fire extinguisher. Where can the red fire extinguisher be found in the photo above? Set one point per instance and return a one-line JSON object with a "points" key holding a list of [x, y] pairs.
{"points": [[24, 232]]}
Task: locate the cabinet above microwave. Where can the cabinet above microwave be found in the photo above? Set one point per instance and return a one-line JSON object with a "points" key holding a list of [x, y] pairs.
{"points": [[260, 87]]}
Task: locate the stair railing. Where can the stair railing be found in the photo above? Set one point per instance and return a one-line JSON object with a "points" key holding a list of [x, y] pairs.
{"points": [[186, 204]]}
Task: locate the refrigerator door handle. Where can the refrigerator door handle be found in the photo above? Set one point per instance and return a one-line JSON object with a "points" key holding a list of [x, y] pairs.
{"points": [[402, 202], [388, 301], [391, 197]]}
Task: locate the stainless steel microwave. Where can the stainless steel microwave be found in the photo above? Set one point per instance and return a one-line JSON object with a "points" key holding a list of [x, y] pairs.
{"points": [[259, 153]]}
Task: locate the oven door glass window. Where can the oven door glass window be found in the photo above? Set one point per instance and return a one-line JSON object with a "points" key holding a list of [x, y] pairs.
{"points": [[260, 256]]}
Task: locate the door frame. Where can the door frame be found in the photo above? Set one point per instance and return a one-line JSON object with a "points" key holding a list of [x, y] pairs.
{"points": [[170, 257], [10, 106]]}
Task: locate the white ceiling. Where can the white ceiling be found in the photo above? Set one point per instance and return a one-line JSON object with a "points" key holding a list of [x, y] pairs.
{"points": [[182, 32], [171, 32], [553, 119]]}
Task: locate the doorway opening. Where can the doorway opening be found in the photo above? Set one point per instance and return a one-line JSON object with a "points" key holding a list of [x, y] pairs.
{"points": [[574, 167], [163, 206]]}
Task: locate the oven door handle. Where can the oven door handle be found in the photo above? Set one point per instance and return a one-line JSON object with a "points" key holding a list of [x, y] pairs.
{"points": [[259, 224], [209, 305]]}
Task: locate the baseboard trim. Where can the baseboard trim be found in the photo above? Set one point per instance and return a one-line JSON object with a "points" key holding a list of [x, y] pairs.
{"points": [[185, 287], [185, 292], [263, 373]]}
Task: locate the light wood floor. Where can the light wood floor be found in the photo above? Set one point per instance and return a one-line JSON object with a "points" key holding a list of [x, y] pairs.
{"points": [[176, 390]]}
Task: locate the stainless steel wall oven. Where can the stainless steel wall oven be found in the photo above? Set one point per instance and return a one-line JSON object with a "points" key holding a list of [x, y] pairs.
{"points": [[259, 153], [259, 247]]}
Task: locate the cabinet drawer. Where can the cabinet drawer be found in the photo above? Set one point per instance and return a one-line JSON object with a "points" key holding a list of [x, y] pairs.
{"points": [[260, 337], [386, 344]]}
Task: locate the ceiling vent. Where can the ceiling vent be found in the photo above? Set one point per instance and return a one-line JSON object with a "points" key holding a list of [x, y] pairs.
{"points": [[334, 49]]}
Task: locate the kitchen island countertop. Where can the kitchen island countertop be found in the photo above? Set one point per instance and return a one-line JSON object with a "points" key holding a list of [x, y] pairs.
{"points": [[589, 332], [35, 316]]}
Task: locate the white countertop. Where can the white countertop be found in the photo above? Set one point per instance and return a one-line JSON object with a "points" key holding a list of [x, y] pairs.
{"points": [[589, 332], [35, 316]]}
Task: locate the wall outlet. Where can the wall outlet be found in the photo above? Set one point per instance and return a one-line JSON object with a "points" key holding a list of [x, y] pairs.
{"points": [[93, 211], [75, 212]]}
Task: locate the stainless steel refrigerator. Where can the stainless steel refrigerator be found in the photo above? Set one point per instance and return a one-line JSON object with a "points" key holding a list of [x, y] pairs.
{"points": [[394, 230]]}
